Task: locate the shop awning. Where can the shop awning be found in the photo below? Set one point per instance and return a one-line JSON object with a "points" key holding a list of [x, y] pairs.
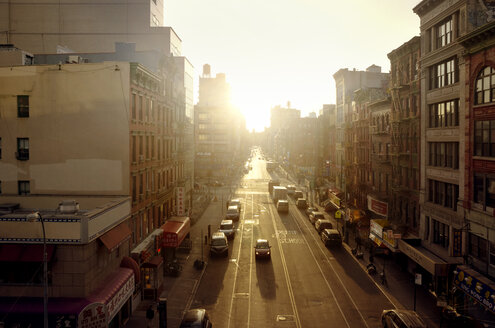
{"points": [[175, 230], [115, 237], [128, 262], [475, 285], [429, 261], [154, 262], [24, 252]]}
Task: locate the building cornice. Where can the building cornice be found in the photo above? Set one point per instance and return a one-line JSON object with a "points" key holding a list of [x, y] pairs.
{"points": [[479, 39]]}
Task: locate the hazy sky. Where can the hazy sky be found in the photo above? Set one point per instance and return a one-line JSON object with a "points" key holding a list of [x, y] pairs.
{"points": [[274, 51]]}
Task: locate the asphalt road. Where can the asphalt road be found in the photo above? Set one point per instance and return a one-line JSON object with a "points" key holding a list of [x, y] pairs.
{"points": [[303, 285]]}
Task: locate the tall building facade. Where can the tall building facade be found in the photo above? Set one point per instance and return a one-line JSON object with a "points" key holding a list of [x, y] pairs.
{"points": [[405, 124], [218, 128], [346, 83]]}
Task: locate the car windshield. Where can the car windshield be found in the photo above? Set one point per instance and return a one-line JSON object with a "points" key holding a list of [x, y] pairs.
{"points": [[232, 211], [262, 245], [218, 242], [226, 226]]}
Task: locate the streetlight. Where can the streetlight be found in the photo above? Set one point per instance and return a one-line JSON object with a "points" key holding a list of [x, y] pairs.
{"points": [[35, 216]]}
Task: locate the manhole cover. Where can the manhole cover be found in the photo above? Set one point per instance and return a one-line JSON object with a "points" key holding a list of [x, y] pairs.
{"points": [[285, 317]]}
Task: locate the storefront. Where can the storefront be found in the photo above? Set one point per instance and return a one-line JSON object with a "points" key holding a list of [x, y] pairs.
{"points": [[149, 258], [382, 235], [108, 306], [474, 295], [433, 269]]}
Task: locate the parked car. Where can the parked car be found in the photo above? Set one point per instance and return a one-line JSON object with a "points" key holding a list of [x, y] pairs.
{"points": [[262, 249], [298, 194], [331, 237], [282, 205], [219, 244], [235, 202], [196, 318], [302, 203], [314, 216], [233, 213], [310, 210], [227, 227], [323, 224], [401, 318]]}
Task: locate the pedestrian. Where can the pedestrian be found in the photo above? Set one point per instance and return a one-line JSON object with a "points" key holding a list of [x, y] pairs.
{"points": [[150, 314], [358, 242]]}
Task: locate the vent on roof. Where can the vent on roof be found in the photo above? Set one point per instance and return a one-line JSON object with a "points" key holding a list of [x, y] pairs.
{"points": [[68, 206]]}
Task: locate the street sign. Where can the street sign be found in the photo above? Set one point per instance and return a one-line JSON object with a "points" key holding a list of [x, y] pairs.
{"points": [[417, 278]]}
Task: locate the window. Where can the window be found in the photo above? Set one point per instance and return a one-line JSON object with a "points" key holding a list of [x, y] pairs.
{"points": [[444, 114], [444, 73], [444, 154], [443, 194], [203, 137], [485, 86], [134, 149], [23, 187], [203, 116], [134, 190], [484, 190], [0, 148], [427, 227], [444, 33], [0, 187], [133, 108], [440, 234], [484, 138], [22, 106], [202, 126], [22, 149], [477, 247]]}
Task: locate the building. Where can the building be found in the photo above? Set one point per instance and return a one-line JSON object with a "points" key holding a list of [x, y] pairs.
{"points": [[443, 232], [405, 131], [218, 128], [347, 82], [280, 119], [59, 143], [479, 177], [302, 146], [86, 26]]}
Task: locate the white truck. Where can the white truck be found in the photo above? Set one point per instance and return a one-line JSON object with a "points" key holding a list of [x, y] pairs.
{"points": [[278, 193]]}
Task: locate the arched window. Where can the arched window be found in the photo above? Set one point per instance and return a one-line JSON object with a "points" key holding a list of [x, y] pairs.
{"points": [[485, 86]]}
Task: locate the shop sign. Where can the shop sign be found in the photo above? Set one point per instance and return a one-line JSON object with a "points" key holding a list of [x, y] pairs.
{"points": [[389, 238], [93, 316], [457, 243], [170, 239], [65, 321], [116, 302], [180, 201], [475, 288], [334, 199], [378, 207], [376, 228]]}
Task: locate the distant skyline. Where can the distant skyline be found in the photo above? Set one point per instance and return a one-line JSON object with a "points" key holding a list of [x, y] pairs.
{"points": [[277, 51]]}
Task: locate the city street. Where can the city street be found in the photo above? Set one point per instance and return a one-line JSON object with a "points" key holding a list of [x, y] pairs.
{"points": [[303, 285]]}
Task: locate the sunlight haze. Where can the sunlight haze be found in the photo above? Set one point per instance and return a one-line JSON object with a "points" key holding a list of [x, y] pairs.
{"points": [[277, 51]]}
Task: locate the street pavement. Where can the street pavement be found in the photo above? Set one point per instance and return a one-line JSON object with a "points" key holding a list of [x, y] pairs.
{"points": [[180, 290]]}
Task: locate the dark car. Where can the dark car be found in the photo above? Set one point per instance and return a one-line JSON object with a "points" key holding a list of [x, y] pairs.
{"points": [[323, 224], [196, 318], [331, 237], [262, 249], [310, 210], [298, 194], [315, 216], [301, 203], [401, 318]]}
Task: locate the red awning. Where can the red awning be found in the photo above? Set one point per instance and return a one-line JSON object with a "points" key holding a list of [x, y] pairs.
{"points": [[111, 285], [128, 262], [24, 252], [115, 237], [174, 232]]}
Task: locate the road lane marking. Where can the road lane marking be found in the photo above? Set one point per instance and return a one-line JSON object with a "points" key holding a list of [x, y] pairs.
{"points": [[286, 273], [250, 267]]}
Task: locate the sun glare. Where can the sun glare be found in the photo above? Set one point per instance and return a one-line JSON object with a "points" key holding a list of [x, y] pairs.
{"points": [[255, 109]]}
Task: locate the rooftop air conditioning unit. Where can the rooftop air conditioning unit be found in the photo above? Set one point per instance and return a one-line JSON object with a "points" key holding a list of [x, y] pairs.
{"points": [[68, 206]]}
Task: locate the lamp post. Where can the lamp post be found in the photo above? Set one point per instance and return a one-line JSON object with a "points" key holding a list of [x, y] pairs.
{"points": [[31, 218]]}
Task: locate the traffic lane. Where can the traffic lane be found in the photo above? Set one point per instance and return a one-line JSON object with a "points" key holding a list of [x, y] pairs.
{"points": [[314, 299], [353, 286], [270, 302]]}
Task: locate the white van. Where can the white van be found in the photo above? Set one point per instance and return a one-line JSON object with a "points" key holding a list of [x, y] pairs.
{"points": [[283, 205]]}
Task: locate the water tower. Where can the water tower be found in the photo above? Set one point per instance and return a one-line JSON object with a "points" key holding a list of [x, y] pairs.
{"points": [[206, 70]]}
